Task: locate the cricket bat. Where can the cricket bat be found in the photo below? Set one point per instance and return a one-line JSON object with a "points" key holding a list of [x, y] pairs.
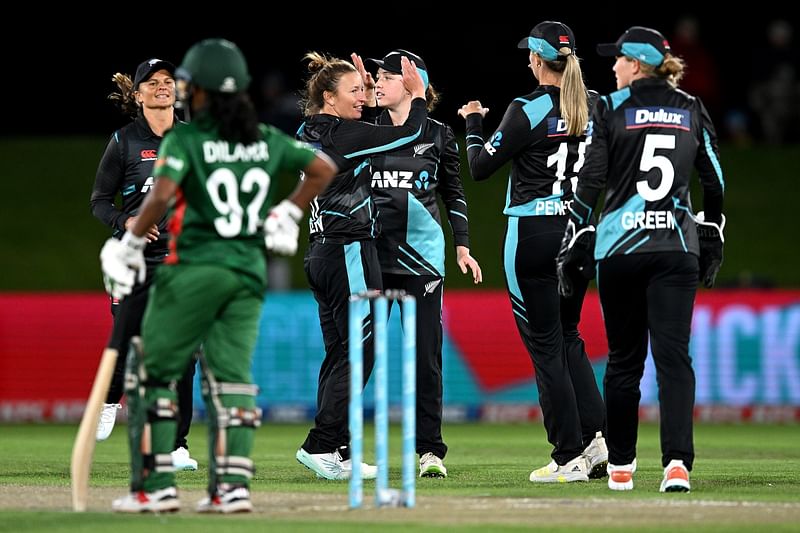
{"points": [[83, 449]]}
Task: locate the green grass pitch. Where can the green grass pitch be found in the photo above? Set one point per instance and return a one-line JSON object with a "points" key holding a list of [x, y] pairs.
{"points": [[745, 478]]}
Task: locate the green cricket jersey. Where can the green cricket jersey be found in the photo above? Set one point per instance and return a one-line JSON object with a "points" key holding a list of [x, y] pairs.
{"points": [[225, 191]]}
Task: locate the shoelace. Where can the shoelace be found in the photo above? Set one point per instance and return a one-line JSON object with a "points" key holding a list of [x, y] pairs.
{"points": [[109, 414], [430, 458]]}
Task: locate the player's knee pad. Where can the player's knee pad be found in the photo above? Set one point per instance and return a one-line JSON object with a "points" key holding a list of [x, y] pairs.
{"points": [[233, 417], [160, 427], [134, 369], [137, 409], [152, 419]]}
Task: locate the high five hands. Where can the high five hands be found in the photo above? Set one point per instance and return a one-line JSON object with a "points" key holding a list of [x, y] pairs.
{"points": [[367, 79], [411, 78]]}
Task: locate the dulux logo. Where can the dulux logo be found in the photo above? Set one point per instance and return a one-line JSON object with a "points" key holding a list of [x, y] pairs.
{"points": [[658, 117], [556, 127]]}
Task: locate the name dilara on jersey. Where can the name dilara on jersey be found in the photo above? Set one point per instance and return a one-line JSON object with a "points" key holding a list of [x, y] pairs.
{"points": [[223, 152]]}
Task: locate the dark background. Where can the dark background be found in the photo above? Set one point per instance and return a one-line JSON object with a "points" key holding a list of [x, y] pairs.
{"points": [[62, 70], [55, 119]]}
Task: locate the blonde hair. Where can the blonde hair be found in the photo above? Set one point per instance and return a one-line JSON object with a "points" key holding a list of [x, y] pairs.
{"points": [[124, 98], [574, 105], [326, 71], [672, 69]]}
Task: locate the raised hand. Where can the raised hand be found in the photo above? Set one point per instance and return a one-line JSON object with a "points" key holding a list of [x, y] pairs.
{"points": [[411, 78], [473, 106], [366, 76]]}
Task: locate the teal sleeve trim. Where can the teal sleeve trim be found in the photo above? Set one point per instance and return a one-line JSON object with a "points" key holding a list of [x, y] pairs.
{"points": [[713, 157]]}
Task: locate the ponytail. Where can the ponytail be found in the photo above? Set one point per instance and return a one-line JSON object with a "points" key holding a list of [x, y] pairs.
{"points": [[574, 104], [124, 98], [672, 70], [324, 75]]}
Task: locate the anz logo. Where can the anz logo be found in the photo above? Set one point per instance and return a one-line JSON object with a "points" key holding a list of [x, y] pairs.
{"points": [[423, 181], [493, 144], [148, 184], [392, 179]]}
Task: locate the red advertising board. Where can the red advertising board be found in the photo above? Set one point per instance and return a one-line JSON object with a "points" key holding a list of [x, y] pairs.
{"points": [[50, 345], [746, 347]]}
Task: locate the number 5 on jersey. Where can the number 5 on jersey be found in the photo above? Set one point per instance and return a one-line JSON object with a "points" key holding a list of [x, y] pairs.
{"points": [[650, 160]]}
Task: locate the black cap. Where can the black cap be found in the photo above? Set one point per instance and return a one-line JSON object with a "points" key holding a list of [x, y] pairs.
{"points": [[147, 68], [391, 63], [547, 38], [645, 44]]}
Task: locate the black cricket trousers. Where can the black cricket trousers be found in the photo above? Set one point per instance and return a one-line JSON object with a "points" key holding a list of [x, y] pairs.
{"points": [[428, 292], [570, 400], [649, 295], [335, 271]]}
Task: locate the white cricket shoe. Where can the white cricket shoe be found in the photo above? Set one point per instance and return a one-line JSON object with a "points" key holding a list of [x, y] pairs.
{"points": [[597, 456], [620, 477], [228, 499], [108, 416], [574, 470], [332, 466], [676, 477], [431, 465], [160, 501], [182, 461], [367, 471]]}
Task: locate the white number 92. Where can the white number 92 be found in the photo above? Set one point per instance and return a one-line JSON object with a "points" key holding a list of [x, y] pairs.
{"points": [[229, 223]]}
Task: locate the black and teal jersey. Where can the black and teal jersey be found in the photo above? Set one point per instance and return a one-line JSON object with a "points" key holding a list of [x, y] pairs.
{"points": [[646, 140], [126, 169], [544, 160], [405, 185], [345, 212]]}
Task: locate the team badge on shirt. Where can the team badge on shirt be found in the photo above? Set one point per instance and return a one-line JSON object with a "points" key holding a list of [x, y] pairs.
{"points": [[421, 148]]}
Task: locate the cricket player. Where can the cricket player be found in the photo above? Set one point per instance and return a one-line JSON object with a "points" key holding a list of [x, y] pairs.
{"points": [[651, 250], [218, 173]]}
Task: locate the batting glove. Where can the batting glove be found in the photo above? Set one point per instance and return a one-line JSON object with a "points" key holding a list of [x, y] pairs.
{"points": [[575, 257], [123, 264], [711, 239], [281, 229]]}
